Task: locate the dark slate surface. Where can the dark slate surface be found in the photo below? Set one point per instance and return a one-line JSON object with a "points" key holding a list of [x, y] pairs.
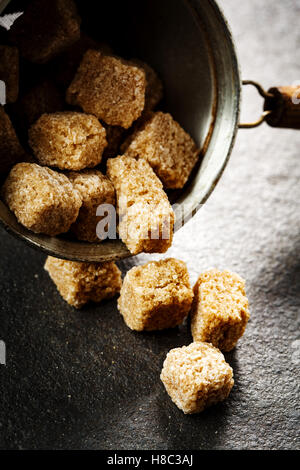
{"points": [[83, 380]]}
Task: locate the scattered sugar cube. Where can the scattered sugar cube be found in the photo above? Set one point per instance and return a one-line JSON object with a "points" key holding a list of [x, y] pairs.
{"points": [[79, 283], [68, 140], [9, 72], [156, 296], [110, 88], [169, 150], [146, 217], [220, 309], [196, 376], [46, 29], [11, 150], [43, 200], [95, 189]]}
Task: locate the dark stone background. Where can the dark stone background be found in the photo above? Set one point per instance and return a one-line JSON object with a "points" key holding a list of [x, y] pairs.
{"points": [[84, 380]]}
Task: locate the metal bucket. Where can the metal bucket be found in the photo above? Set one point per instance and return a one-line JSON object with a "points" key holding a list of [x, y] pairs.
{"points": [[189, 43]]}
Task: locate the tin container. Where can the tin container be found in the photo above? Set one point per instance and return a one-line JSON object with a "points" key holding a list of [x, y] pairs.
{"points": [[190, 45]]}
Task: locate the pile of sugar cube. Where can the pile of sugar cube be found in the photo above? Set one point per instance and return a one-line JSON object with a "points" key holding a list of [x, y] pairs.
{"points": [[80, 129]]}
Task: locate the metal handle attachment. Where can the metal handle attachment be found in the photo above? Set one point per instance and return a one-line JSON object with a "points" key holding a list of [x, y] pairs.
{"points": [[266, 113], [281, 107]]}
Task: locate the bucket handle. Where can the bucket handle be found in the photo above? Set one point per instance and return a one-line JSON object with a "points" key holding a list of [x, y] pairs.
{"points": [[281, 106]]}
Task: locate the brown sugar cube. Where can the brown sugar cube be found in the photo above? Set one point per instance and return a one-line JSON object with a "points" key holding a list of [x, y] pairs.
{"points": [[146, 217], [220, 311], [110, 88], [68, 140], [79, 283], [154, 86], [156, 296], [196, 376], [169, 150], [46, 29], [95, 189], [11, 150], [9, 72], [66, 65], [42, 98], [43, 200]]}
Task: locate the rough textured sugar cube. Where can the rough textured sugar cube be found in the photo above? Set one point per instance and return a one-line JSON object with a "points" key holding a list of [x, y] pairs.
{"points": [[46, 29], [9, 72], [196, 376], [11, 150], [156, 296], [110, 88], [79, 283], [68, 140], [146, 217], [95, 189], [169, 150], [220, 311], [43, 200], [154, 86]]}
